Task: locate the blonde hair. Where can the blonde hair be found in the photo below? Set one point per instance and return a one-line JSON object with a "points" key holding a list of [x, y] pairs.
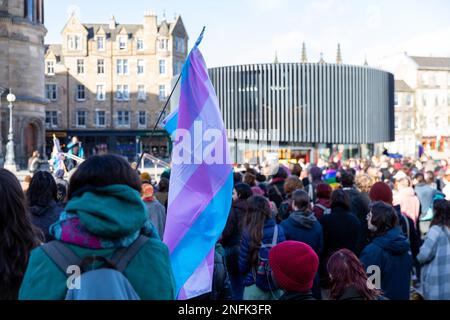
{"points": [[364, 182]]}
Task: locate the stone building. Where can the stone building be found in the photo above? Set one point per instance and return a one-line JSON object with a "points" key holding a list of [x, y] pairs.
{"points": [[423, 104], [108, 83], [22, 35]]}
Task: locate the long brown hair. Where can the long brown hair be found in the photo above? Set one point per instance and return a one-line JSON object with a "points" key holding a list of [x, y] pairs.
{"points": [[346, 271], [17, 236], [441, 210], [258, 212]]}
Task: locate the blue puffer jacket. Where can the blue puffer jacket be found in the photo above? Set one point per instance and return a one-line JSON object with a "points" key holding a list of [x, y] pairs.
{"points": [[244, 258], [391, 252]]}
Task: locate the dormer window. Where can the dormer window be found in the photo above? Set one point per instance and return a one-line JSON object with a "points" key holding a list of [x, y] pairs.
{"points": [[140, 44], [100, 43], [163, 44], [123, 40], [50, 64], [74, 42]]}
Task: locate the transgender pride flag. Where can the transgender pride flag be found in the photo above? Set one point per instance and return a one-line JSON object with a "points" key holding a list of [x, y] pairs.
{"points": [[200, 189]]}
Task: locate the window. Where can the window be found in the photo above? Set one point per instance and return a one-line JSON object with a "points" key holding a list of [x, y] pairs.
{"points": [[436, 100], [123, 92], [424, 100], [142, 119], [74, 42], [123, 40], [178, 67], [140, 44], [163, 44], [100, 66], [50, 92], [162, 93], [432, 80], [80, 66], [81, 92], [409, 123], [408, 99], [100, 118], [179, 45], [140, 66], [397, 123], [123, 118], [100, 43], [162, 66], [51, 119], [424, 79], [81, 119], [101, 92], [122, 66], [396, 99], [51, 68], [142, 96]]}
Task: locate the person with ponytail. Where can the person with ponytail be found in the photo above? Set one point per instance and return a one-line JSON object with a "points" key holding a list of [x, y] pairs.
{"points": [[17, 236], [260, 234]]}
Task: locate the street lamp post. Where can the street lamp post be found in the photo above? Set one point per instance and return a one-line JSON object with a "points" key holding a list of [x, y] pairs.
{"points": [[10, 163]]}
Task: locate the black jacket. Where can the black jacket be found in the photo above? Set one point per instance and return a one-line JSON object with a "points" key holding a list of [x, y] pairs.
{"points": [[341, 229], [406, 224], [43, 217], [297, 296], [359, 203]]}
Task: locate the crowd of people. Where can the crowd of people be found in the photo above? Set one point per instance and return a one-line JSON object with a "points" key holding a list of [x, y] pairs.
{"points": [[361, 229]]}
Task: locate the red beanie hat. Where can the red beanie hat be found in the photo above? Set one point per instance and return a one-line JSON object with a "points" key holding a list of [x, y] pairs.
{"points": [[324, 191], [294, 266], [380, 191]]}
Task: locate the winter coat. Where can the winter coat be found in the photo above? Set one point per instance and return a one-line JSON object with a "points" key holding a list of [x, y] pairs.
{"points": [[425, 193], [408, 202], [435, 257], [221, 286], [162, 197], [157, 214], [359, 203], [232, 234], [149, 272], [318, 211], [304, 228], [391, 253], [409, 230], [276, 192], [245, 265], [44, 217], [341, 229]]}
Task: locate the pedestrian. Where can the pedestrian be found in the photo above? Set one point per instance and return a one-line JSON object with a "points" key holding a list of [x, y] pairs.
{"points": [[34, 162], [104, 214], [250, 179], [294, 266], [261, 233], [446, 182], [162, 195], [389, 251], [406, 198], [435, 255], [322, 206], [348, 279], [62, 187], [425, 193], [18, 236], [155, 210], [291, 184], [43, 202], [359, 203], [276, 187], [314, 178]]}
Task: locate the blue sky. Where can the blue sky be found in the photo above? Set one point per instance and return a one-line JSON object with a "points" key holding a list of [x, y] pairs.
{"points": [[250, 31]]}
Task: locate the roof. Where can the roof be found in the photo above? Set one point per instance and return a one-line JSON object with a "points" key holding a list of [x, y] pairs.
{"points": [[56, 49], [402, 86], [131, 29], [432, 62]]}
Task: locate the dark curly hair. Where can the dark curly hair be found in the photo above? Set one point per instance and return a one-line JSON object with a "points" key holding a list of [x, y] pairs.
{"points": [[42, 190]]}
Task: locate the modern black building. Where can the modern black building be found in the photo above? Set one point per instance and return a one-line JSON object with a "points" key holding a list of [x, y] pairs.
{"points": [[304, 107]]}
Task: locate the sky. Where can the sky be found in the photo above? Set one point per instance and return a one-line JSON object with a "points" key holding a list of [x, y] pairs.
{"points": [[251, 31]]}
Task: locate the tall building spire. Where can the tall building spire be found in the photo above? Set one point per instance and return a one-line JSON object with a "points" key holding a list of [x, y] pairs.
{"points": [[366, 64], [339, 54], [276, 57], [304, 56], [322, 61]]}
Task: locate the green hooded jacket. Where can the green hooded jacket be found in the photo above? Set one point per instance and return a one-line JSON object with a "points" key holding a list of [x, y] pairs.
{"points": [[116, 211]]}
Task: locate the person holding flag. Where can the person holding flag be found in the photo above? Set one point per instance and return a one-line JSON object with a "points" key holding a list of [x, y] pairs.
{"points": [[201, 182]]}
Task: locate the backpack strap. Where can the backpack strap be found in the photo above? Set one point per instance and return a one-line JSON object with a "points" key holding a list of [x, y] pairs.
{"points": [[122, 257], [275, 236], [62, 256]]}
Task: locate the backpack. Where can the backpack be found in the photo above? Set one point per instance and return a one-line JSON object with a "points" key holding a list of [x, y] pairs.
{"points": [[106, 282], [262, 273], [285, 210], [326, 211]]}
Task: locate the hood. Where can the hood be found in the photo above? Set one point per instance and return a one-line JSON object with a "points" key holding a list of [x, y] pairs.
{"points": [[325, 202], [240, 204], [303, 220], [110, 212], [393, 241], [39, 210]]}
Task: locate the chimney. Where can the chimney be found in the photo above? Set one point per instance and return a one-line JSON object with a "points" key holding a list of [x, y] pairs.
{"points": [[112, 23], [150, 30]]}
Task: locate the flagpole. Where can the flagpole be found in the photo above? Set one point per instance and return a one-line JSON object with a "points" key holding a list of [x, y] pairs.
{"points": [[159, 118]]}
